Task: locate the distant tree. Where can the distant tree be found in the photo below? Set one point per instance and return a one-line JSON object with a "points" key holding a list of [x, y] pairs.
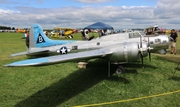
{"points": [[8, 28], [13, 28], [5, 28]]}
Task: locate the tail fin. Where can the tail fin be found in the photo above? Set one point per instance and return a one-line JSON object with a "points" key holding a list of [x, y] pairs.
{"points": [[37, 38]]}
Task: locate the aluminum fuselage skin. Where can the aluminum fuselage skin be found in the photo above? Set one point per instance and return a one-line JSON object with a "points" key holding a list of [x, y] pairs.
{"points": [[156, 42]]}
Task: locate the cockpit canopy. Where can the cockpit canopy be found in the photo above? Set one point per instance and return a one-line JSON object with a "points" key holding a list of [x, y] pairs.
{"points": [[136, 34]]}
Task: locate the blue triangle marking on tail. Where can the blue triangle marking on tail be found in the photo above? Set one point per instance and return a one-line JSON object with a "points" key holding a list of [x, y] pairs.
{"points": [[40, 39]]}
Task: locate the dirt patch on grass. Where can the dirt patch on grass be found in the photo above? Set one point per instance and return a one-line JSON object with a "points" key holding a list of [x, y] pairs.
{"points": [[171, 57]]}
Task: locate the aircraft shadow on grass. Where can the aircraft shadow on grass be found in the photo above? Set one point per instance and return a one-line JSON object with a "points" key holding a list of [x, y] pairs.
{"points": [[175, 78], [72, 85], [66, 88]]}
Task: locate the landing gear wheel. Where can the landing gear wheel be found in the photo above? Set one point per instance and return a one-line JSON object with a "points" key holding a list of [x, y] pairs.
{"points": [[120, 70]]}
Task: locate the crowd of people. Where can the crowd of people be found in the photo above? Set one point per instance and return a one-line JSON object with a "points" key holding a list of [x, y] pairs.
{"points": [[101, 32]]}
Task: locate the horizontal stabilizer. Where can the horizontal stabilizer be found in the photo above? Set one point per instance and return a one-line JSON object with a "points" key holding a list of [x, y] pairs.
{"points": [[35, 52], [18, 54], [62, 58]]}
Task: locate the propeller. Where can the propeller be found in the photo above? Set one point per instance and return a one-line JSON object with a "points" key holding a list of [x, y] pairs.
{"points": [[141, 51], [149, 50]]}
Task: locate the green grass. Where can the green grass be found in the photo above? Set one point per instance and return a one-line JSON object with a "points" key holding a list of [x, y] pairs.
{"points": [[65, 85]]}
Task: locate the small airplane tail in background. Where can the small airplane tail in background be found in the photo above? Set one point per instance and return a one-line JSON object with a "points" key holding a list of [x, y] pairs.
{"points": [[38, 39]]}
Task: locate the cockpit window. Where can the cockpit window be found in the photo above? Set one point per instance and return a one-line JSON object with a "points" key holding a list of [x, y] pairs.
{"points": [[134, 35]]}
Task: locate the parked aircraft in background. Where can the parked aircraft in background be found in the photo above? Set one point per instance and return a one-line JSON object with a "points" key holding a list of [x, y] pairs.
{"points": [[154, 30], [116, 48], [20, 30], [64, 32]]}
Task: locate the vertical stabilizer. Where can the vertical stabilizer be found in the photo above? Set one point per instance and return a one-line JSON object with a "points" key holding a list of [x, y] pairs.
{"points": [[37, 38]]}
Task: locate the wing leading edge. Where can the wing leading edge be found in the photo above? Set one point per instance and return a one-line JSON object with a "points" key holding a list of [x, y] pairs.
{"points": [[62, 58]]}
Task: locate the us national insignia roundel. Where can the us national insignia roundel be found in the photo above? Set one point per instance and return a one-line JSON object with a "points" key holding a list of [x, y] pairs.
{"points": [[63, 50]]}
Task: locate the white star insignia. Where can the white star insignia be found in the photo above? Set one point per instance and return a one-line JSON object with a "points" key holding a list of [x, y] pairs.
{"points": [[63, 50]]}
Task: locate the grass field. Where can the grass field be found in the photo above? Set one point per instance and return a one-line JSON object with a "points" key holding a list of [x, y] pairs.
{"points": [[65, 85]]}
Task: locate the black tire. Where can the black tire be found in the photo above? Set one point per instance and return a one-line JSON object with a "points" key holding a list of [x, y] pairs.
{"points": [[120, 70]]}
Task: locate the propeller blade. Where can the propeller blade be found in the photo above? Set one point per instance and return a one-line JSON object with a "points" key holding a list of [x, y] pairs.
{"points": [[149, 50], [140, 42], [148, 42], [142, 60], [150, 56], [141, 51]]}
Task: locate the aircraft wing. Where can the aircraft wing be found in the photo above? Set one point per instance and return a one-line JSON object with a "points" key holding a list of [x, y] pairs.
{"points": [[35, 52], [63, 58]]}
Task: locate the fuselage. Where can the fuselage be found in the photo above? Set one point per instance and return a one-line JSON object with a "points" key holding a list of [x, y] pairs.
{"points": [[156, 42]]}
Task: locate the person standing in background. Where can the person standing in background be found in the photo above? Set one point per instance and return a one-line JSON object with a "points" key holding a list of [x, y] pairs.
{"points": [[27, 40], [174, 36]]}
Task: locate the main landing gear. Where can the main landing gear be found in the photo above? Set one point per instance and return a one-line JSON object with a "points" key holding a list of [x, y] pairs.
{"points": [[118, 70]]}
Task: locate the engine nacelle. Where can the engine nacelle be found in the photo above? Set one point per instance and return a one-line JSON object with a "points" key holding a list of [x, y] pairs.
{"points": [[127, 52], [158, 42]]}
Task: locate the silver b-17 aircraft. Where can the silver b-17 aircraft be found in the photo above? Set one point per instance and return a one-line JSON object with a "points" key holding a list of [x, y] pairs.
{"points": [[116, 48]]}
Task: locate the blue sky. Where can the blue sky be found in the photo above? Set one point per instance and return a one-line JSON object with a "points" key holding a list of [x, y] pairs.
{"points": [[80, 13], [64, 3], [12, 4]]}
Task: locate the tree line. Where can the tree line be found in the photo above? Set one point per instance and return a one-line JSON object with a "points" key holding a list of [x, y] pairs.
{"points": [[7, 28]]}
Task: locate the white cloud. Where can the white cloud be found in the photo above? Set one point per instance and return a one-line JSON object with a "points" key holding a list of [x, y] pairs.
{"points": [[168, 12], [165, 14]]}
